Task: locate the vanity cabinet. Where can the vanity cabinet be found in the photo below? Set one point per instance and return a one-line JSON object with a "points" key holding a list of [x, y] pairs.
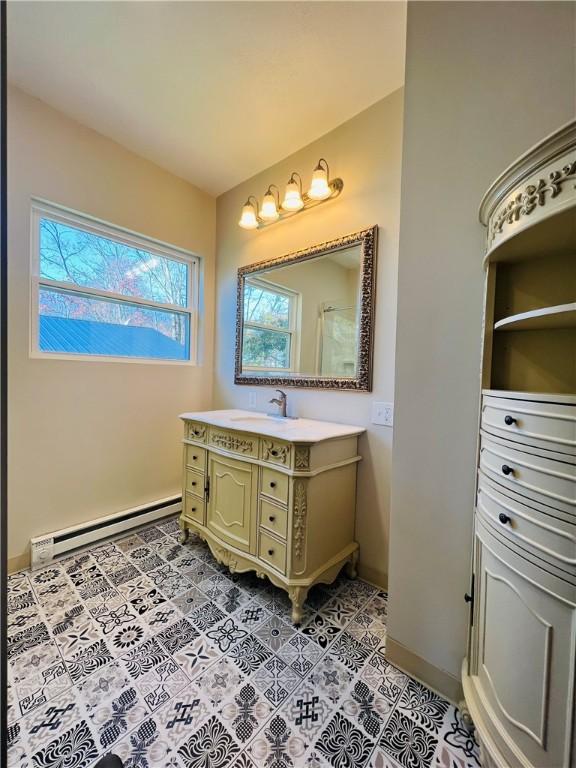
{"points": [[519, 675], [274, 496]]}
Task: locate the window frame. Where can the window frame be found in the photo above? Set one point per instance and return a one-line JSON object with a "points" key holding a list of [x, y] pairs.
{"points": [[45, 209], [294, 324]]}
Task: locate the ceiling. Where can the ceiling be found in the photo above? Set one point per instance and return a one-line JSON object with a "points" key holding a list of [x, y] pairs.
{"points": [[212, 91]]}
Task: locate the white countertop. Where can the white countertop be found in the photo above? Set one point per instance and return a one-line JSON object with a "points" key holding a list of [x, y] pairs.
{"points": [[291, 430]]}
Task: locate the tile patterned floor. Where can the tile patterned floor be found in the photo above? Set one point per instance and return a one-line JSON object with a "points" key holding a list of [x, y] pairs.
{"points": [[149, 649]]}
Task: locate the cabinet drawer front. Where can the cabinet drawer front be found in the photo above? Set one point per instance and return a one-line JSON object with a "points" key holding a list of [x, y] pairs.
{"points": [[545, 425], [276, 452], [194, 509], [550, 536], [272, 552], [273, 518], [274, 484], [235, 442], [195, 483], [195, 458], [553, 482], [524, 651], [194, 430]]}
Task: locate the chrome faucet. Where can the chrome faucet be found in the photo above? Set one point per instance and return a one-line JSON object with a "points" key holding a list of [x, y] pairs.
{"points": [[280, 402]]}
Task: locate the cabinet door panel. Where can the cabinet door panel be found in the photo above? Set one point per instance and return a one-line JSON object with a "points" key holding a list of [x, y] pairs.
{"points": [[231, 501], [525, 636]]}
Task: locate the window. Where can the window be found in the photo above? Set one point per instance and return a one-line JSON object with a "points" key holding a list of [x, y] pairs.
{"points": [[101, 292], [270, 340]]}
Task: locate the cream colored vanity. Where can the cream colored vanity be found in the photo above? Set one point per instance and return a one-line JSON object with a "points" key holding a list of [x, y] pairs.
{"points": [[520, 673], [274, 496]]}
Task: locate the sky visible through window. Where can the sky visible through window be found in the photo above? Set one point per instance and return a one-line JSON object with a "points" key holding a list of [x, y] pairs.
{"points": [[84, 324]]}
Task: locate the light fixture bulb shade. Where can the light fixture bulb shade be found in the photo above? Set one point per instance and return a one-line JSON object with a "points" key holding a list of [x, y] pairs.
{"points": [[248, 219], [269, 211], [319, 187], [292, 197]]}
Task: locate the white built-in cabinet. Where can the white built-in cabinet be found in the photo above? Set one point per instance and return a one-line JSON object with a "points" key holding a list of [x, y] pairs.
{"points": [[520, 672]]}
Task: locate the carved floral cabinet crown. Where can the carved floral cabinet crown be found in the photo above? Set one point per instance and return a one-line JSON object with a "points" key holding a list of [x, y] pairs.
{"points": [[273, 496]]}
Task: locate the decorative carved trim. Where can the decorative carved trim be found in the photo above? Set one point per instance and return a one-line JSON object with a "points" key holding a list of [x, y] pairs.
{"points": [[299, 519], [362, 382], [196, 431], [532, 197], [225, 557], [302, 457], [231, 442], [277, 452]]}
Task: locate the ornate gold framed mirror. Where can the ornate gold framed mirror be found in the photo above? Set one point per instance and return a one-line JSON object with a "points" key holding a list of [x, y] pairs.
{"points": [[306, 319]]}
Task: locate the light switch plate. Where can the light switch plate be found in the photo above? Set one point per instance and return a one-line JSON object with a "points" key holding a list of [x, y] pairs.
{"points": [[383, 414]]}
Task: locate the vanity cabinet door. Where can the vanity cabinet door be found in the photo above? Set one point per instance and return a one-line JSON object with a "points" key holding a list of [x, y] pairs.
{"points": [[231, 506]]}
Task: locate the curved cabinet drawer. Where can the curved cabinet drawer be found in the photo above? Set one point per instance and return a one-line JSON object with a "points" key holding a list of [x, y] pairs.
{"points": [[241, 443], [549, 481], [549, 536], [550, 426], [274, 484], [196, 431], [195, 457], [274, 518], [524, 652], [195, 483], [272, 552], [194, 509], [276, 451]]}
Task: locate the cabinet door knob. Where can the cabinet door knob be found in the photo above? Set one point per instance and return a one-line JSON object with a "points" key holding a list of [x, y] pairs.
{"points": [[270, 552], [504, 519], [506, 470], [509, 420], [272, 518], [272, 484]]}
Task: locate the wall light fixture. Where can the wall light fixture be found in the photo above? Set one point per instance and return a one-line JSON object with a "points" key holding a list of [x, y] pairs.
{"points": [[322, 188]]}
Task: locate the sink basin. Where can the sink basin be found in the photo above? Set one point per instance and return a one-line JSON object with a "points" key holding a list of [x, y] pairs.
{"points": [[276, 420]]}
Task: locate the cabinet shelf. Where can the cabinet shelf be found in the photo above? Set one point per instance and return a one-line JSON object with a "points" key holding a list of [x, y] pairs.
{"points": [[546, 318]]}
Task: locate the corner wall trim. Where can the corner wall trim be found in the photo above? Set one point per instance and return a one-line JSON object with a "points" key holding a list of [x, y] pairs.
{"points": [[442, 682]]}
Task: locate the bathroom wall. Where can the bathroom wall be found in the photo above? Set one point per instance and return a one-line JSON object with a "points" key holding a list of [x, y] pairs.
{"points": [[92, 438], [366, 153], [484, 82]]}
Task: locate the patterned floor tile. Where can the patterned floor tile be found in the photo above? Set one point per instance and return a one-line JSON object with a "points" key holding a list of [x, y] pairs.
{"points": [[151, 649]]}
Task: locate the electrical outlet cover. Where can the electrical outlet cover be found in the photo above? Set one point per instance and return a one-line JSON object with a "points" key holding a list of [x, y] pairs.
{"points": [[383, 414]]}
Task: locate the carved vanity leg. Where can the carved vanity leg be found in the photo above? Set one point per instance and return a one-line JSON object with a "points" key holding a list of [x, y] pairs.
{"points": [[297, 596], [183, 531], [352, 565], [466, 716]]}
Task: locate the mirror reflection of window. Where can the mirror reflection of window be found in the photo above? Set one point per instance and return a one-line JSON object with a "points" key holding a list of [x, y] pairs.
{"points": [[270, 327]]}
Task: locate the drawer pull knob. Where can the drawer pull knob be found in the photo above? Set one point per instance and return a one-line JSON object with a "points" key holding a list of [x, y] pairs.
{"points": [[506, 470], [274, 453], [467, 598], [504, 519], [194, 458], [194, 482], [272, 484], [270, 552], [272, 518], [193, 509], [509, 420]]}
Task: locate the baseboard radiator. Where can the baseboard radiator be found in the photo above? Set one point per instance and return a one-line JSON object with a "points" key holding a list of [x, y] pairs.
{"points": [[43, 549]]}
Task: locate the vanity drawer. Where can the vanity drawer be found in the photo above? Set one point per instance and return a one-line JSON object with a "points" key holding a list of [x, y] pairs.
{"points": [[274, 518], [194, 509], [236, 442], [549, 536], [196, 431], [550, 426], [272, 551], [547, 480], [195, 483], [274, 484], [275, 451], [195, 458]]}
